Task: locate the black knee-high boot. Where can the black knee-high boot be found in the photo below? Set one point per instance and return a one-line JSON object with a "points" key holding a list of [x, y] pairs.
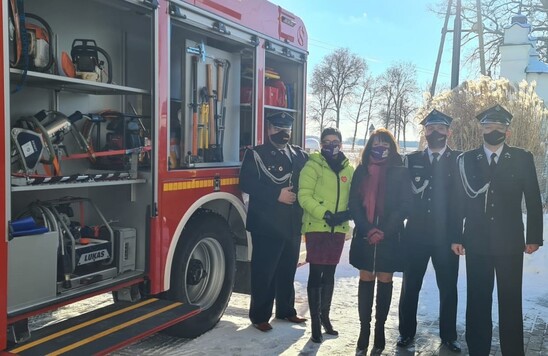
{"points": [[327, 296], [384, 298], [365, 305], [314, 303]]}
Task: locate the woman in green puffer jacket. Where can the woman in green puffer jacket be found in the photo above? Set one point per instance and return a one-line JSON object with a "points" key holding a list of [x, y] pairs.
{"points": [[324, 187]]}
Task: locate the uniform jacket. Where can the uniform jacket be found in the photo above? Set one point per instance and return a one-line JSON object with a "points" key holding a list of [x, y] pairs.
{"points": [[434, 195], [398, 201], [494, 225], [265, 215], [320, 190]]}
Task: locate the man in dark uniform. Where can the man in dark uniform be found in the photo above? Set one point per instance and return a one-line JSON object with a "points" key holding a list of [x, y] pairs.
{"points": [[427, 234], [270, 175], [495, 177]]}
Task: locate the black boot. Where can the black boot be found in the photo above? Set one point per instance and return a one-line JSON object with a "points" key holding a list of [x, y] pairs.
{"points": [[384, 298], [314, 302], [365, 305], [327, 295]]}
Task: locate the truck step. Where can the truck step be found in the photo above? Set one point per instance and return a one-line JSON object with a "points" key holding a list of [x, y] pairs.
{"points": [[107, 329]]}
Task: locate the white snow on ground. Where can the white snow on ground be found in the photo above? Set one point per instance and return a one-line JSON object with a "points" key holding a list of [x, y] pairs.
{"points": [[235, 336]]}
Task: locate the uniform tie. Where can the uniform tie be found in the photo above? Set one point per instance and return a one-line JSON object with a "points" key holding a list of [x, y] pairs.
{"points": [[435, 156], [284, 153], [493, 163]]}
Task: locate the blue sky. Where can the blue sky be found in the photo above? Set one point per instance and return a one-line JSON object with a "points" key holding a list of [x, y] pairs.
{"points": [[381, 31]]}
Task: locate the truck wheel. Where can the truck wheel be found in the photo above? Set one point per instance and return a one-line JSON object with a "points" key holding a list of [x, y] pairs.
{"points": [[203, 273]]}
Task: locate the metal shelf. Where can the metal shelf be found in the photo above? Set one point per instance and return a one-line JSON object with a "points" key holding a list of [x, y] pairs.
{"points": [[279, 108], [57, 82], [28, 188], [125, 4]]}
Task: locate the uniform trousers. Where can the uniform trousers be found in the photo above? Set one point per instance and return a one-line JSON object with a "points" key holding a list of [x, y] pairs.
{"points": [[481, 271], [446, 266], [273, 266]]}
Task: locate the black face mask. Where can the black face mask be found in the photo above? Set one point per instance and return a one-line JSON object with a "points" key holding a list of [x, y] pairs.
{"points": [[280, 138], [436, 140], [494, 137], [330, 151]]}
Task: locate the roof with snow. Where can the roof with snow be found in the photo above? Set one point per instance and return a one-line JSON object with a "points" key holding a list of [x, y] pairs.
{"points": [[536, 66]]}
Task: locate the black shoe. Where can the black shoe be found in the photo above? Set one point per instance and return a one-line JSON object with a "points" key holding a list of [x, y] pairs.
{"points": [[404, 341], [293, 319], [453, 346], [361, 352], [317, 340], [264, 327]]}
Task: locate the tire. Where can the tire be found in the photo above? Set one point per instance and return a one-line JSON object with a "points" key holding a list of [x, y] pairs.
{"points": [[203, 273]]}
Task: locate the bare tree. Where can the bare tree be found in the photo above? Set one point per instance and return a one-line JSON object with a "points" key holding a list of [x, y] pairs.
{"points": [[320, 104], [407, 108], [398, 86], [496, 15], [363, 102], [373, 91], [338, 74]]}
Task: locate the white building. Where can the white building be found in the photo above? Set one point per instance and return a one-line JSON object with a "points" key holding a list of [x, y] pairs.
{"points": [[519, 58]]}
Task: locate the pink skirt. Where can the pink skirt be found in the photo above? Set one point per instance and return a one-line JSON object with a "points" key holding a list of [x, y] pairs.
{"points": [[324, 248]]}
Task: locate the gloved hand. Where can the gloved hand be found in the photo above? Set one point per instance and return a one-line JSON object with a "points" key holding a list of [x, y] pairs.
{"points": [[341, 217], [329, 218], [374, 236]]}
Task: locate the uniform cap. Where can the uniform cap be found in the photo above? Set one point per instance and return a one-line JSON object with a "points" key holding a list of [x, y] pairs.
{"points": [[496, 114], [436, 117], [281, 119]]}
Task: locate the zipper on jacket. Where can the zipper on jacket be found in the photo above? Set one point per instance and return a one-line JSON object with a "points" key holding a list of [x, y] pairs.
{"points": [[338, 198]]}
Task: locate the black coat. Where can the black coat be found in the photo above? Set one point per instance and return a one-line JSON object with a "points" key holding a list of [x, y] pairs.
{"points": [[397, 204], [265, 215], [495, 226], [433, 199]]}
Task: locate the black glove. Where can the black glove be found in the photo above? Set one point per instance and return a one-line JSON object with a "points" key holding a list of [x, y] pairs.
{"points": [[329, 218], [341, 217]]}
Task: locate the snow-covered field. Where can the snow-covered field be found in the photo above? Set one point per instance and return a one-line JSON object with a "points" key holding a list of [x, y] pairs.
{"points": [[235, 336]]}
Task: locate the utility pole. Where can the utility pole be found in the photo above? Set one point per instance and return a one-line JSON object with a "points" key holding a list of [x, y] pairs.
{"points": [[440, 49], [455, 63], [479, 25]]}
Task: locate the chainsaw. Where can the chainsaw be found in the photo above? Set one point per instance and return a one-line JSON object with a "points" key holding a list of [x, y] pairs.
{"points": [[30, 42], [84, 62]]}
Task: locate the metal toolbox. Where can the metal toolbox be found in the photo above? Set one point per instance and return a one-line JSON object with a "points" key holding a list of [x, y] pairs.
{"points": [[32, 269], [126, 243]]}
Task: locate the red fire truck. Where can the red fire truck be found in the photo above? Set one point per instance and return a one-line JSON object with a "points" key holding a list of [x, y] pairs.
{"points": [[124, 124]]}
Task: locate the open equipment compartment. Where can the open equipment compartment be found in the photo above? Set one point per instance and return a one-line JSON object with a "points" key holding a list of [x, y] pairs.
{"points": [[93, 129]]}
